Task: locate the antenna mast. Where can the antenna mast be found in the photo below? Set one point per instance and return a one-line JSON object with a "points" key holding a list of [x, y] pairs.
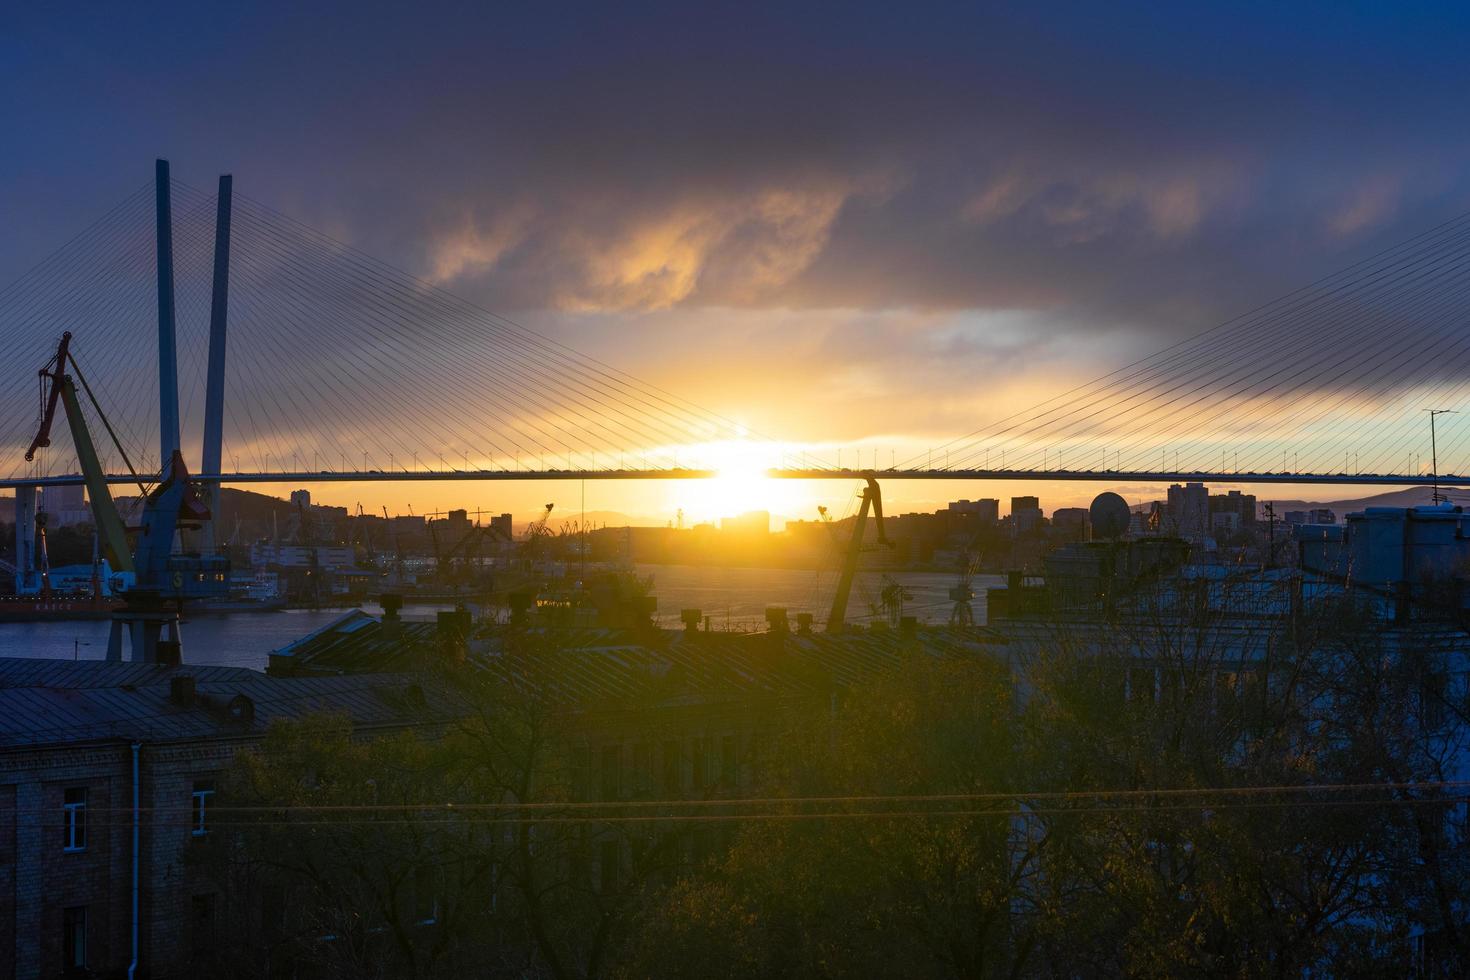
{"points": [[1436, 497]]}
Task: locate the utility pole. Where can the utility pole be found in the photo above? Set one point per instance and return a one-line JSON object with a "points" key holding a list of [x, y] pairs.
{"points": [[1434, 451], [1270, 535]]}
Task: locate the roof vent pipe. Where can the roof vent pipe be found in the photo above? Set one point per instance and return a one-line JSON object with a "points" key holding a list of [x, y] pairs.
{"points": [[691, 619]]}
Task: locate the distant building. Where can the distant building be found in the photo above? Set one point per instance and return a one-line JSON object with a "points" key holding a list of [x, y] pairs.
{"points": [[1025, 503], [65, 506], [1073, 522], [301, 499], [1188, 510], [1402, 555], [986, 509], [1025, 514], [501, 525], [1317, 515], [264, 554], [452, 529], [751, 523], [1224, 522], [1243, 505]]}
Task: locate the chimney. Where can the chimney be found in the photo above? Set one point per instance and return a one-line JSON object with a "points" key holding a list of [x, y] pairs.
{"points": [[392, 625], [776, 618], [453, 628], [804, 623], [181, 690], [691, 619], [391, 603]]}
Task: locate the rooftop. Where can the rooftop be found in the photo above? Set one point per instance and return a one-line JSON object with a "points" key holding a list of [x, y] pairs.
{"points": [[607, 666], [49, 702]]}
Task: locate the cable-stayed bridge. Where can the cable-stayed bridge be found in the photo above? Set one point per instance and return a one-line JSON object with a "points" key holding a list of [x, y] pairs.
{"points": [[211, 320]]}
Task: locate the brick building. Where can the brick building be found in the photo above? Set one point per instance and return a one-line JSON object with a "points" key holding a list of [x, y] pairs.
{"points": [[76, 739]]}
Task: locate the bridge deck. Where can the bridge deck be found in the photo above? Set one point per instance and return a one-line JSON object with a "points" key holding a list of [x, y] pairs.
{"points": [[1081, 476]]}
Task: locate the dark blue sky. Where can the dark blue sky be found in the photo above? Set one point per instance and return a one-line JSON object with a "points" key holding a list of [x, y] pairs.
{"points": [[927, 191]]}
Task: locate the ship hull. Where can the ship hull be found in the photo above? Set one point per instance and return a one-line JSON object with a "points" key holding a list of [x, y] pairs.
{"points": [[41, 609]]}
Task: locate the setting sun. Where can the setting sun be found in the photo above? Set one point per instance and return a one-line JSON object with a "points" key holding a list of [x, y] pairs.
{"points": [[741, 486]]}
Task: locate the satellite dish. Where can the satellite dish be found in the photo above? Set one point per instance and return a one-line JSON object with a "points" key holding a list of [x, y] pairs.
{"points": [[1110, 515]]}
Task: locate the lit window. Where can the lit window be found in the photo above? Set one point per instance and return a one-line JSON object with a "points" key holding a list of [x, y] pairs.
{"points": [[74, 939], [74, 819], [203, 792]]}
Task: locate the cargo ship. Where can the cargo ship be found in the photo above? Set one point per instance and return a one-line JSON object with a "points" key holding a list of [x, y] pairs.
{"points": [[57, 606]]}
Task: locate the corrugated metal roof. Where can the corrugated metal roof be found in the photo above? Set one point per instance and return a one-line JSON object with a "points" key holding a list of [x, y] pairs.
{"points": [[40, 672], [606, 666], [46, 703]]}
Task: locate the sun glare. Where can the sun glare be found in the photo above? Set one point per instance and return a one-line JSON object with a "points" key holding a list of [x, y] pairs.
{"points": [[741, 486]]}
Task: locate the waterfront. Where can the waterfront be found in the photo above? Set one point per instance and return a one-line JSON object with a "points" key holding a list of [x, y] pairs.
{"points": [[733, 598]]}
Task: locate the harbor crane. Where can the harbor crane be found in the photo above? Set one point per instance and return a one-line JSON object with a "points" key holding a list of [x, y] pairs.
{"points": [[161, 579], [872, 499], [538, 526], [536, 531]]}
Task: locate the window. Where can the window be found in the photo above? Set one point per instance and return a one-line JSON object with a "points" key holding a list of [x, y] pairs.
{"points": [[203, 793], [642, 769], [729, 767], [760, 756], [701, 762], [425, 895], [612, 772], [609, 866], [74, 819], [673, 769], [582, 773], [201, 925], [74, 939]]}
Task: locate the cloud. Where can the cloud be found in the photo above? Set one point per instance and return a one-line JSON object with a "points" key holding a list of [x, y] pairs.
{"points": [[475, 248], [848, 224], [1374, 201], [588, 253]]}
